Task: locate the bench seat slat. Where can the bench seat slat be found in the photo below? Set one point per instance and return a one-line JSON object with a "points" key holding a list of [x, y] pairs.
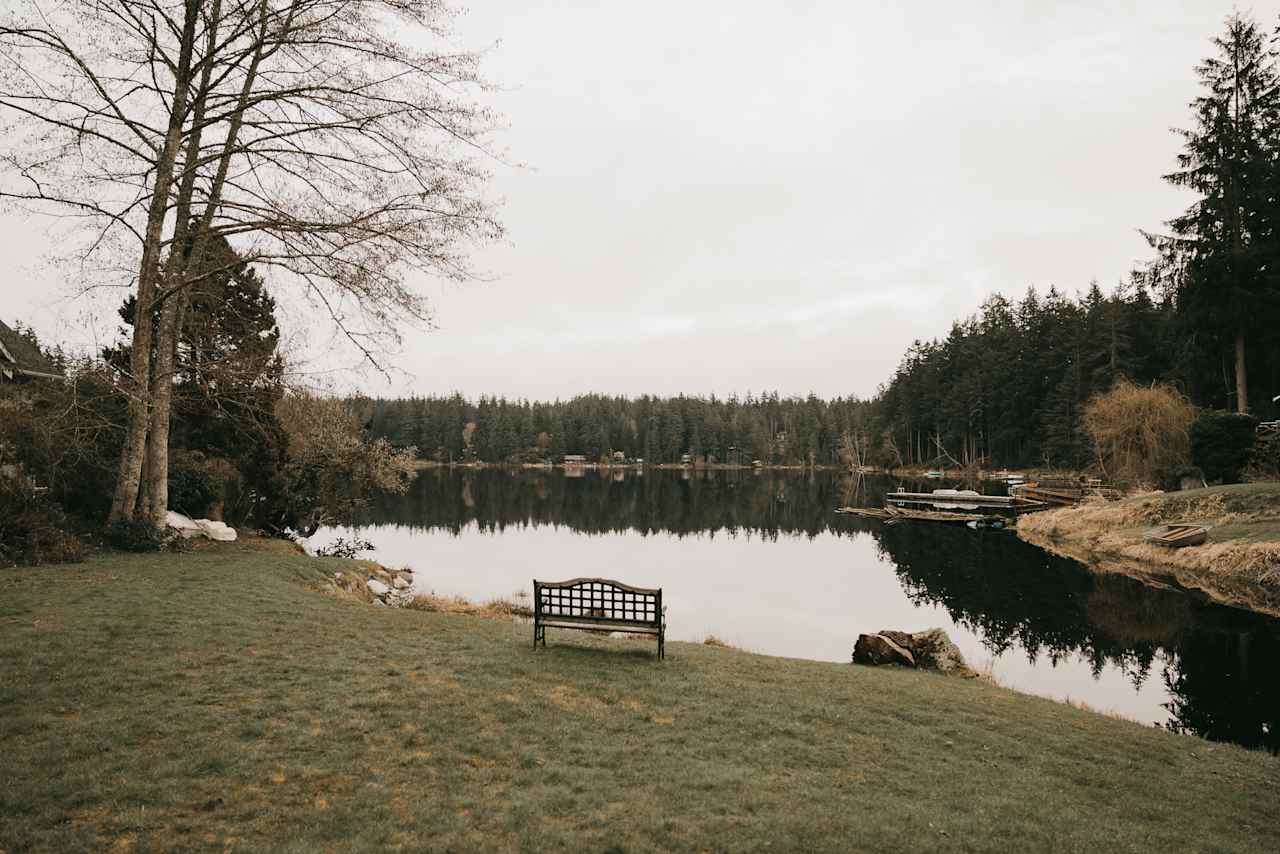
{"points": [[602, 625]]}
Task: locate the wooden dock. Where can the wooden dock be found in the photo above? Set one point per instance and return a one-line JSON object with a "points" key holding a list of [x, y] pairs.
{"points": [[1064, 495], [964, 499], [891, 515]]}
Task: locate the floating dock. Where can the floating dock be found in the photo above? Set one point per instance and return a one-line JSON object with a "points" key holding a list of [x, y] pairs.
{"points": [[897, 514], [964, 499]]}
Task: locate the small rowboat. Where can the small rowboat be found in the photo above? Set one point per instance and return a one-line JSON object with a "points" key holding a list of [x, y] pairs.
{"points": [[1177, 536]]}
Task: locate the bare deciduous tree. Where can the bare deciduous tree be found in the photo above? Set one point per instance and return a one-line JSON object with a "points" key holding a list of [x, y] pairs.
{"points": [[338, 141]]}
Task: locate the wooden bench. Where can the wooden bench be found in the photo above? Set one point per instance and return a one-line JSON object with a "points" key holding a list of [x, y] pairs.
{"points": [[600, 605]]}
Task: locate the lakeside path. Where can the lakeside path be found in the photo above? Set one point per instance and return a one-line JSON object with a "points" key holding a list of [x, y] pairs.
{"points": [[1238, 566], [232, 698]]}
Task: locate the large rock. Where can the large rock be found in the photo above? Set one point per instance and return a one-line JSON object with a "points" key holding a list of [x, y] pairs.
{"points": [[219, 531], [878, 649], [399, 582], [189, 528], [930, 649], [377, 588]]}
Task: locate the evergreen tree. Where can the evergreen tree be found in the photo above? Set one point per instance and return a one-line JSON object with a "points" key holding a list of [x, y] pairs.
{"points": [[1225, 245]]}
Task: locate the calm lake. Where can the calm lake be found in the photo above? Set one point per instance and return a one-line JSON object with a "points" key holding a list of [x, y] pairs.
{"points": [[758, 559]]}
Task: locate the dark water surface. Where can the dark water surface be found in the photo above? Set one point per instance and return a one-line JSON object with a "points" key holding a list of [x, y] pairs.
{"points": [[758, 559]]}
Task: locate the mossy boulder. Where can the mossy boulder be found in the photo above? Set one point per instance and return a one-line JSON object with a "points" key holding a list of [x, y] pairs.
{"points": [[931, 649]]}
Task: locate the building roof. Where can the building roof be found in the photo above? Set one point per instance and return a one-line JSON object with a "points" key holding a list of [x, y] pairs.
{"points": [[18, 356]]}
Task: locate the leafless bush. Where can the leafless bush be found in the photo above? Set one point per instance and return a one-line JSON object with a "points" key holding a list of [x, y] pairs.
{"points": [[1140, 433]]}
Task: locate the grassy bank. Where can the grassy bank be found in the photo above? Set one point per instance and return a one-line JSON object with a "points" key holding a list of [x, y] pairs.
{"points": [[223, 699], [1239, 565]]}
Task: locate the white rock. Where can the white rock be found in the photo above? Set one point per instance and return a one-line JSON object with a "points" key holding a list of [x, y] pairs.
{"points": [[199, 528], [377, 588], [401, 584], [182, 525], [219, 531]]}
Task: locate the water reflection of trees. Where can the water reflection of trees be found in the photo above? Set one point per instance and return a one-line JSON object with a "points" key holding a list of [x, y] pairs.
{"points": [[1010, 594], [680, 503], [1218, 664]]}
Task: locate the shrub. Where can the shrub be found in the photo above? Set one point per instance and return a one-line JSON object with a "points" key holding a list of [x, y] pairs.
{"points": [[1264, 460], [195, 482], [1140, 434], [33, 529], [67, 436], [1221, 443], [342, 547], [137, 535], [332, 465]]}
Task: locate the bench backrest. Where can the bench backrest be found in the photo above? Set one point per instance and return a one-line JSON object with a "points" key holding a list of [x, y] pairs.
{"points": [[597, 599]]}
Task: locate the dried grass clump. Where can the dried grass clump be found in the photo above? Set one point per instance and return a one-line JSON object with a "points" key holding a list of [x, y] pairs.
{"points": [[712, 640], [1140, 432], [493, 609], [1243, 571]]}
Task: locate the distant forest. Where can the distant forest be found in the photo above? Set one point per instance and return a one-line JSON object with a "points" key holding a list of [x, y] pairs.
{"points": [[659, 430], [1007, 386], [1004, 388]]}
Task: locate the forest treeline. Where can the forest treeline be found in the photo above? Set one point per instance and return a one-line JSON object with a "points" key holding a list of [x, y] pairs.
{"points": [[1006, 387], [767, 427]]}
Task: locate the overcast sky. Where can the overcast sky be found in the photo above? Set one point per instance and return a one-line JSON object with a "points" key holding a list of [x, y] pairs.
{"points": [[724, 196]]}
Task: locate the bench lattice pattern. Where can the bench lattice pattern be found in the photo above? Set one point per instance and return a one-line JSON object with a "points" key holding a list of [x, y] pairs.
{"points": [[597, 604]]}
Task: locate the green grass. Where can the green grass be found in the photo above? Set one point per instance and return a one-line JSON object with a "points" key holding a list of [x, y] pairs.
{"points": [[1250, 512], [215, 700]]}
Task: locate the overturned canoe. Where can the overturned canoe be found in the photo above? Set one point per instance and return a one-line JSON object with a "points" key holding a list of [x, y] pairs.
{"points": [[1177, 536]]}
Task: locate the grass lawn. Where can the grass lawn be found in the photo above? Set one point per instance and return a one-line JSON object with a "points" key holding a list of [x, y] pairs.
{"points": [[216, 700]]}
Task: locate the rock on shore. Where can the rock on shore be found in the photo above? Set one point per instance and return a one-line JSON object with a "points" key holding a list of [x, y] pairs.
{"points": [[931, 649]]}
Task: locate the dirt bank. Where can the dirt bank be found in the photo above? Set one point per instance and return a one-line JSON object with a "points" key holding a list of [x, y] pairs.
{"points": [[1239, 565]]}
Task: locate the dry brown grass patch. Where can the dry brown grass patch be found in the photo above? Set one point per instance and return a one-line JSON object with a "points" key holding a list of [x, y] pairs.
{"points": [[495, 609], [572, 700], [273, 545], [1241, 569]]}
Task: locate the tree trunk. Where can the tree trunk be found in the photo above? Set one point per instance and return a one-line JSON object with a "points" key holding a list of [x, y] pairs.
{"points": [[161, 400], [1242, 379], [143, 508], [134, 451]]}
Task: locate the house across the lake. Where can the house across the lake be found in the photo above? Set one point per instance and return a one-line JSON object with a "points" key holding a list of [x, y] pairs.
{"points": [[575, 460], [20, 360]]}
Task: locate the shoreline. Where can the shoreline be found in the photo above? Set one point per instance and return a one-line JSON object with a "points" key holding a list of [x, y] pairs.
{"points": [[1239, 566], [912, 472]]}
